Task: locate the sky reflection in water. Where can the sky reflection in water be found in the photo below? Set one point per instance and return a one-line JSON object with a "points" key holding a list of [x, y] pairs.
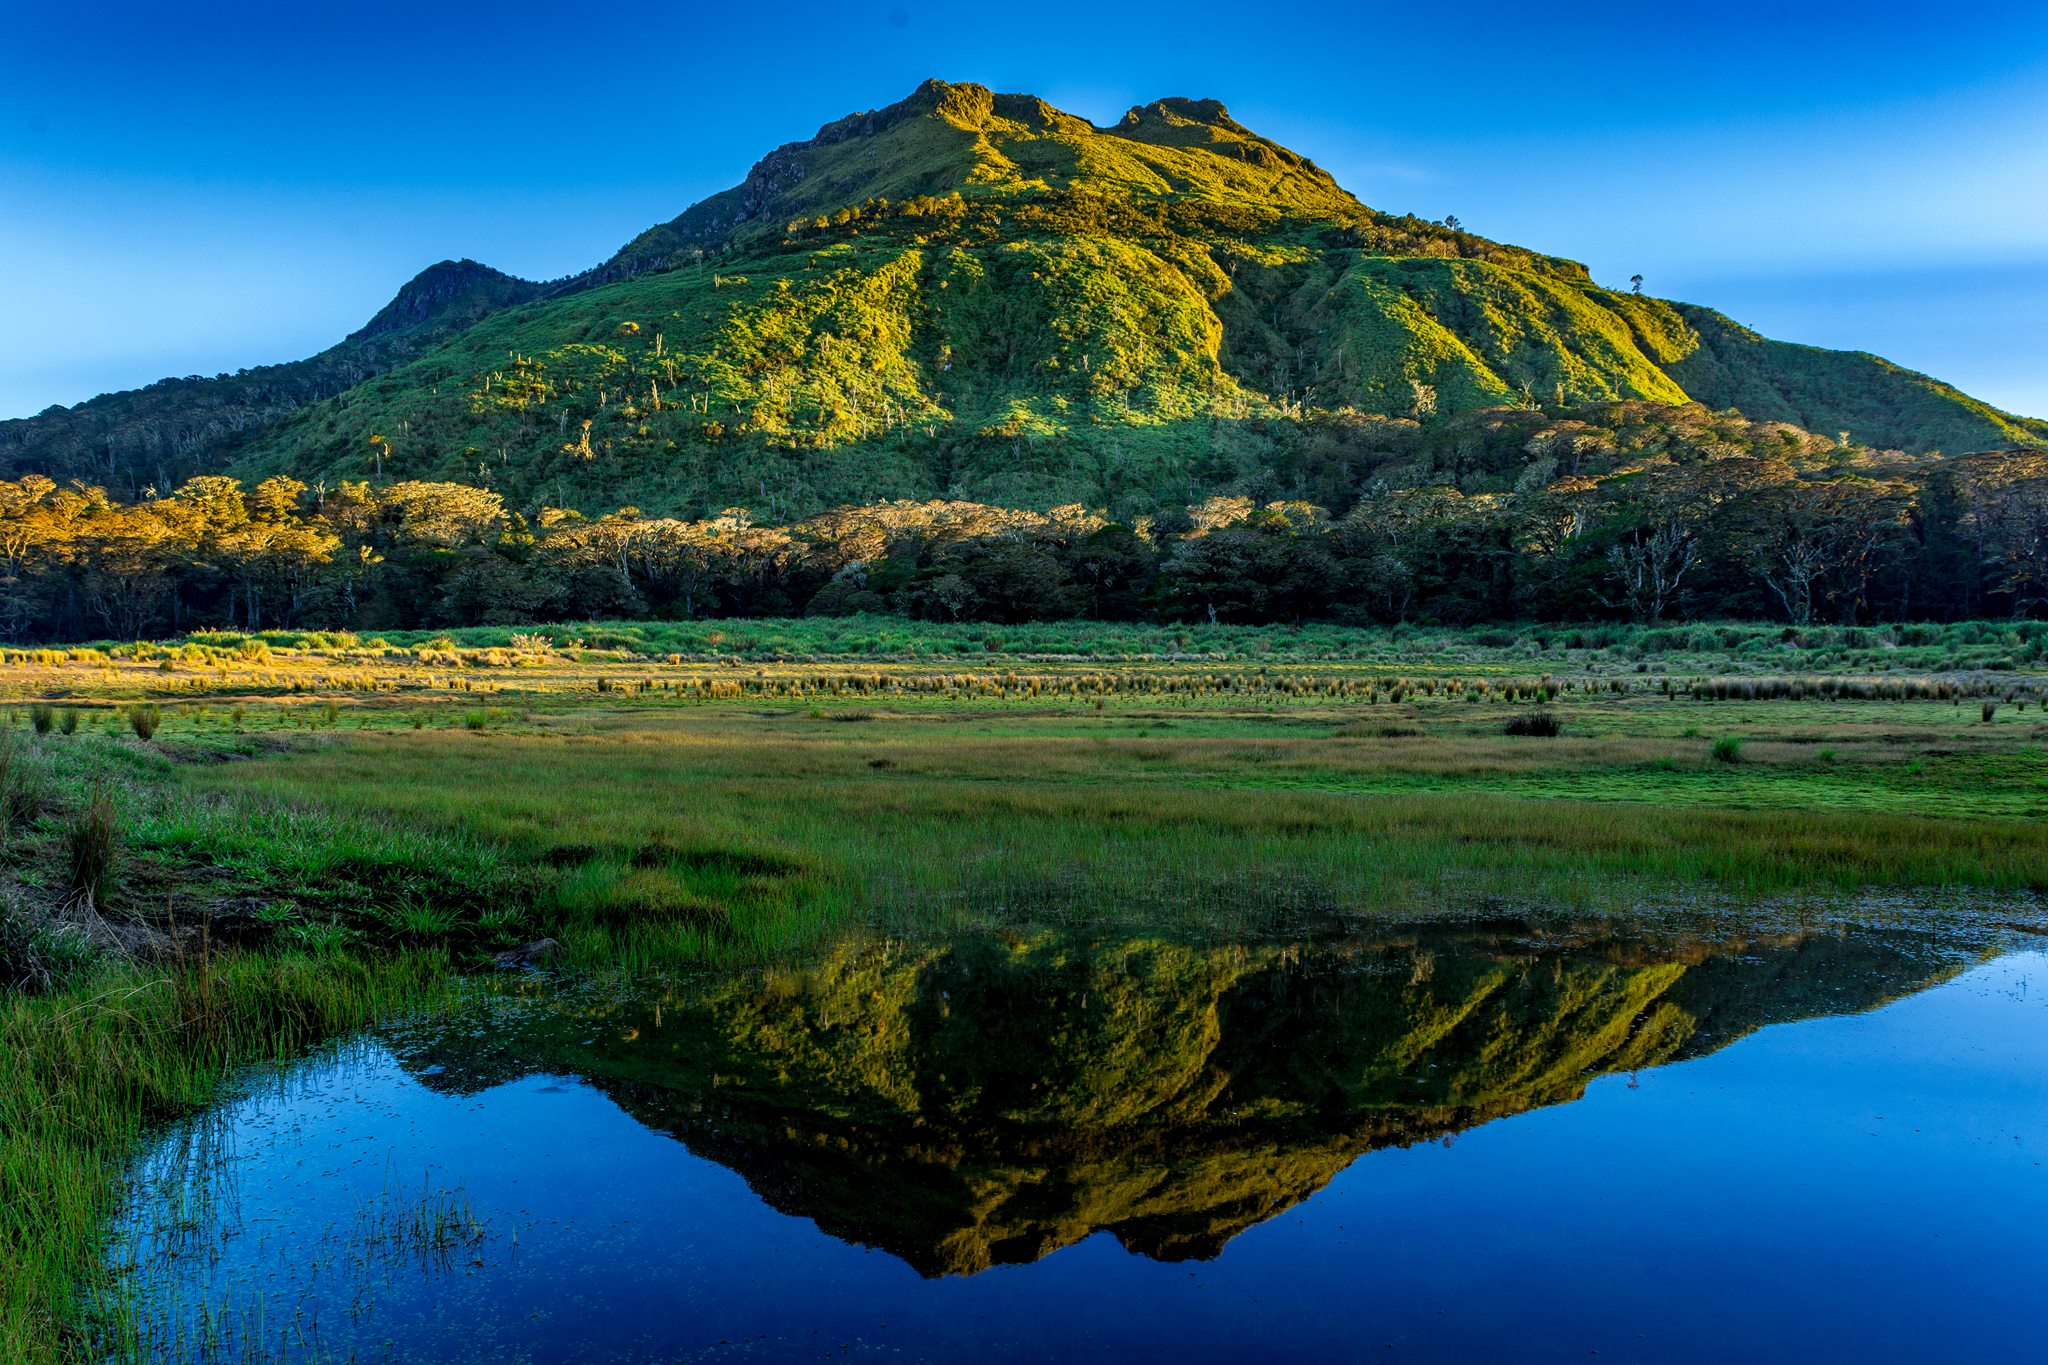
{"points": [[1056, 1150]]}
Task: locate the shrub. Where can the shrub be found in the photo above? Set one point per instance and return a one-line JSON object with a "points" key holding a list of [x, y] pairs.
{"points": [[1990, 709], [475, 720], [1728, 749], [1364, 731], [43, 716], [1539, 724], [67, 721], [93, 846], [145, 719]]}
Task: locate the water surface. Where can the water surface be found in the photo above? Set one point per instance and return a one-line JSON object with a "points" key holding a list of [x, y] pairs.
{"points": [[1486, 1142]]}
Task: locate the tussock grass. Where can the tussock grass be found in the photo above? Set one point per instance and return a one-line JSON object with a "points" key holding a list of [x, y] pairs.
{"points": [[1684, 650], [1540, 724], [92, 846]]}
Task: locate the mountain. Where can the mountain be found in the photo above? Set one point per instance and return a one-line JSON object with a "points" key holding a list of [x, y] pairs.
{"points": [[165, 432], [976, 295]]}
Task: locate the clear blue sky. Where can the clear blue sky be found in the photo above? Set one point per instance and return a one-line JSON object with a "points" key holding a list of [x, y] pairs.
{"points": [[197, 187]]}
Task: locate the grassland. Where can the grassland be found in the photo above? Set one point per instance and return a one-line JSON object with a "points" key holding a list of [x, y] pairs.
{"points": [[220, 663], [317, 828]]}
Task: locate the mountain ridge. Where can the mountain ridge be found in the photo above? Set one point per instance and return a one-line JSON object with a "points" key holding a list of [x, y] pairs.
{"points": [[158, 424], [774, 188], [968, 293]]}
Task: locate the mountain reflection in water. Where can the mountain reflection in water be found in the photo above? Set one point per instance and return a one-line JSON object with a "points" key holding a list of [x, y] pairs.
{"points": [[988, 1101]]}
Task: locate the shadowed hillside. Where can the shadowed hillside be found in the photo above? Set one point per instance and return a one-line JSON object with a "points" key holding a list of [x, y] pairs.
{"points": [[162, 434]]}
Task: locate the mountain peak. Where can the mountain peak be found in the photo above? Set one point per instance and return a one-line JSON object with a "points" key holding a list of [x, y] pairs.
{"points": [[1178, 109], [970, 285], [948, 138], [447, 291], [968, 105]]}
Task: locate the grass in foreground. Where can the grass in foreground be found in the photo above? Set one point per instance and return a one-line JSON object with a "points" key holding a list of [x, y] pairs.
{"points": [[350, 849], [733, 829], [85, 1069]]}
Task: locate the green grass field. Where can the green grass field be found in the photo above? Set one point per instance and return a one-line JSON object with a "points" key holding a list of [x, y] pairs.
{"points": [[1677, 649], [322, 829]]}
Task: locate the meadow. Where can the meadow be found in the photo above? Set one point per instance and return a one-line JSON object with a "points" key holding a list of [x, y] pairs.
{"points": [[225, 848]]}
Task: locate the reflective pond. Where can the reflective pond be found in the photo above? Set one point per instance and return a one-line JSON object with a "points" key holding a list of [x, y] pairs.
{"points": [[1480, 1142]]}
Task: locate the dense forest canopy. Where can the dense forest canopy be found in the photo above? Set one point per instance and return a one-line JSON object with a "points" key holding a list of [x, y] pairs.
{"points": [[970, 356], [1630, 511]]}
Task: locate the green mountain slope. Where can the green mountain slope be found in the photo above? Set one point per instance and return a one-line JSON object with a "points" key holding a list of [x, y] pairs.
{"points": [[963, 138], [976, 295], [1776, 381]]}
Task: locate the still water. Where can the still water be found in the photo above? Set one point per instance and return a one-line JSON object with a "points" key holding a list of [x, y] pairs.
{"points": [[1481, 1143]]}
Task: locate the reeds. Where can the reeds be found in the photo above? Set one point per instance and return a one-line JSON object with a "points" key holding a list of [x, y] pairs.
{"points": [[85, 1068]]}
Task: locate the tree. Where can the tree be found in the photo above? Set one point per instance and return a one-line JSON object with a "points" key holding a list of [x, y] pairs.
{"points": [[1651, 564], [2009, 504], [127, 558], [277, 498], [1422, 404], [440, 515], [1817, 541], [282, 564]]}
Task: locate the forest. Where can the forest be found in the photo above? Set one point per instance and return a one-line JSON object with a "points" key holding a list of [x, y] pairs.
{"points": [[1629, 511]]}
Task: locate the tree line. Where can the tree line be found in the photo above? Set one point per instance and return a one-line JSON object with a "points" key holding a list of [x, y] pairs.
{"points": [[1749, 534]]}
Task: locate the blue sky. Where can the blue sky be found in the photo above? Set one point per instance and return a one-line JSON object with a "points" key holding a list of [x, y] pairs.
{"points": [[196, 188]]}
